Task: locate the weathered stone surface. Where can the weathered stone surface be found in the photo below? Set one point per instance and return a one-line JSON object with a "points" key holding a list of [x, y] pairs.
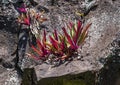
{"points": [[105, 21], [8, 76], [111, 67]]}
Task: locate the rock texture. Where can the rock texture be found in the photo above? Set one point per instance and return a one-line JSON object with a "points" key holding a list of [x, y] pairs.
{"points": [[105, 26], [8, 76], [112, 66]]}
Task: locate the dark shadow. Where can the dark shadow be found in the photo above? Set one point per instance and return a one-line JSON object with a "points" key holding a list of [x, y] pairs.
{"points": [[19, 71], [29, 77], [86, 78], [42, 8], [91, 9], [8, 24], [110, 73], [33, 3], [43, 26]]}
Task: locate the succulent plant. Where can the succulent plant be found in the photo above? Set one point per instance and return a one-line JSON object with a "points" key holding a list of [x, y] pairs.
{"points": [[62, 45]]}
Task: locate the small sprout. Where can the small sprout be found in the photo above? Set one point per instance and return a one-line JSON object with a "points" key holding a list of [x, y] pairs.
{"points": [[79, 13]]}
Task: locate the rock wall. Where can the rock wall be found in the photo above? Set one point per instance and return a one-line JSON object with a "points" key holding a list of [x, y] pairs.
{"points": [[105, 26]]}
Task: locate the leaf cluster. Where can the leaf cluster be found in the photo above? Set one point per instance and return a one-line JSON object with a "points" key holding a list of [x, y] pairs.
{"points": [[61, 45]]}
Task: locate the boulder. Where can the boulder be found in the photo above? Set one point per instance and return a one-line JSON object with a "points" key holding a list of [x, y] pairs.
{"points": [[105, 26]]}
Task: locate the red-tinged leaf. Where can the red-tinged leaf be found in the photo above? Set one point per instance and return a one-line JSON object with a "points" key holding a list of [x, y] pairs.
{"points": [[55, 34], [41, 20], [62, 46], [63, 43], [32, 56], [82, 38], [74, 29], [54, 43], [61, 36], [44, 38], [70, 25], [36, 50], [79, 24], [42, 48], [75, 26], [64, 57], [46, 51], [71, 29], [49, 47], [86, 28], [72, 32], [39, 44], [26, 21], [70, 41], [77, 34], [83, 34]]}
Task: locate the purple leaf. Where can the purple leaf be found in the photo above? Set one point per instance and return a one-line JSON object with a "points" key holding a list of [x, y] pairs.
{"points": [[70, 41], [55, 34], [54, 42], [77, 34]]}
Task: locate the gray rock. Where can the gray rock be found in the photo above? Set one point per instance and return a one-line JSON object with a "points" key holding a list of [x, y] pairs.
{"points": [[105, 26]]}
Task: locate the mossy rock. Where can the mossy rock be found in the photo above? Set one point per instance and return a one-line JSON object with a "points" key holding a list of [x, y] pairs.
{"points": [[29, 77], [86, 78]]}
